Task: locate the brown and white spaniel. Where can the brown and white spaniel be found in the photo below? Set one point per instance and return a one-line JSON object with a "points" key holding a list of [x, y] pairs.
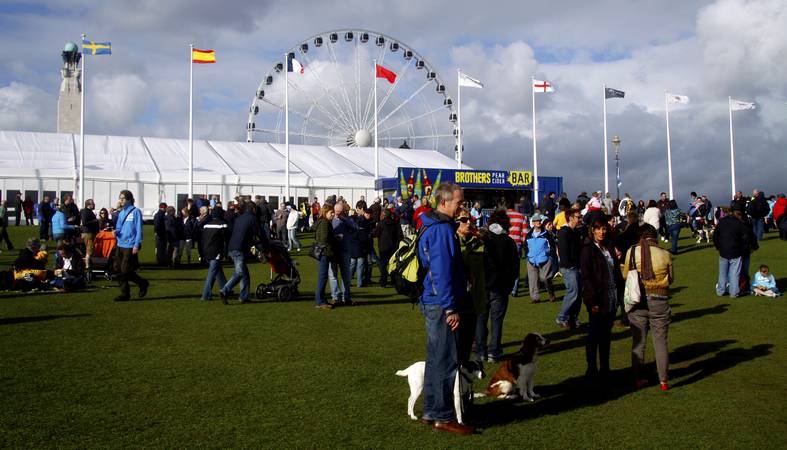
{"points": [[515, 375]]}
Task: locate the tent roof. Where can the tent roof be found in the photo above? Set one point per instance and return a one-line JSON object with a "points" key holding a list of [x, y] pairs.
{"points": [[159, 160]]}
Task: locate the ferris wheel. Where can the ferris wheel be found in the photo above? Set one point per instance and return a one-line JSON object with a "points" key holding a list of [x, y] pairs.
{"points": [[331, 100]]}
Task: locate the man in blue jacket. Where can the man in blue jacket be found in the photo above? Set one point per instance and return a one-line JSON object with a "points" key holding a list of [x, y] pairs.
{"points": [[444, 284], [245, 234], [129, 241]]}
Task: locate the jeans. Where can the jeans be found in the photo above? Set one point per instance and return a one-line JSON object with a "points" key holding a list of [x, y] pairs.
{"points": [[599, 340], [322, 279], [293, 241], [441, 365], [729, 275], [569, 312], [759, 227], [340, 264], [215, 273], [496, 311], [240, 274], [358, 265], [674, 232]]}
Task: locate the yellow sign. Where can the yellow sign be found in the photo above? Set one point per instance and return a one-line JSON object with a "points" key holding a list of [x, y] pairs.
{"points": [[473, 177], [520, 177]]}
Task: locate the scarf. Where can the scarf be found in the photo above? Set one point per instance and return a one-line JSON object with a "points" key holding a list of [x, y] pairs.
{"points": [[646, 265]]}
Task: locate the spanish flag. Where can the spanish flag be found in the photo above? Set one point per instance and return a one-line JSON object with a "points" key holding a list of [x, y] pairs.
{"points": [[203, 56]]}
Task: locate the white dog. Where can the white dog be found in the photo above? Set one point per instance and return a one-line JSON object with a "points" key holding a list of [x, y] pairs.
{"points": [[462, 385]]}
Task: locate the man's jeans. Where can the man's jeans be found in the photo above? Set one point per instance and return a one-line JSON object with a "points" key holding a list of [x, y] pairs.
{"points": [[240, 274], [674, 232], [340, 264], [293, 241], [496, 312], [759, 227], [441, 365], [215, 273], [358, 265], [729, 274], [569, 313]]}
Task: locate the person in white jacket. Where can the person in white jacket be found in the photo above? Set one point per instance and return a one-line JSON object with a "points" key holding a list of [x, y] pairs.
{"points": [[292, 229], [652, 214]]}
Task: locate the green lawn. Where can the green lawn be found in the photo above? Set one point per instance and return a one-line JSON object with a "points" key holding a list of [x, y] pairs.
{"points": [[81, 371]]}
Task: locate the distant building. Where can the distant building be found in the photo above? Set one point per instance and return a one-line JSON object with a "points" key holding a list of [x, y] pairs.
{"points": [[70, 100]]}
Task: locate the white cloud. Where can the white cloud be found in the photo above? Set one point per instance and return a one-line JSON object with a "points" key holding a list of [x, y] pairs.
{"points": [[29, 108]]}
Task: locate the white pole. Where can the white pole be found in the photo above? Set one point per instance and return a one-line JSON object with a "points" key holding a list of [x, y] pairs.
{"points": [[732, 149], [376, 151], [669, 149], [606, 163], [535, 153], [191, 121], [80, 184], [458, 119], [286, 130]]}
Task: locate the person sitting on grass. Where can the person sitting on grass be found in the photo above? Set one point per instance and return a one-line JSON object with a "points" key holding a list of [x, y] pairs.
{"points": [[69, 269], [30, 266], [764, 283]]}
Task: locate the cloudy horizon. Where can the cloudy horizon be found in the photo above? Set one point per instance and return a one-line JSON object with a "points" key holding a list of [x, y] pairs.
{"points": [[707, 50]]}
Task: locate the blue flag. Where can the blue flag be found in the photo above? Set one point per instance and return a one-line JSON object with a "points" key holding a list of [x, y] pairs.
{"points": [[96, 48]]}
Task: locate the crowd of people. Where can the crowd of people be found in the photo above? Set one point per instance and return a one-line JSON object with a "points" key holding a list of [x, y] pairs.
{"points": [[471, 259]]}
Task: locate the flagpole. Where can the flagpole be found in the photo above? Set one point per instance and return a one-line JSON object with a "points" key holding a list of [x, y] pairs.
{"points": [[606, 163], [80, 185], [286, 129], [191, 121], [669, 149], [535, 153], [732, 148], [376, 151], [458, 118]]}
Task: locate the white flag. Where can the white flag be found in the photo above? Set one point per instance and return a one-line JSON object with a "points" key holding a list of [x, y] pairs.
{"points": [[740, 105], [542, 86], [674, 98], [464, 80]]}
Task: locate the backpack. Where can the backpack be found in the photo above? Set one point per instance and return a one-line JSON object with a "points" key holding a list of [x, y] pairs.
{"points": [[407, 272]]}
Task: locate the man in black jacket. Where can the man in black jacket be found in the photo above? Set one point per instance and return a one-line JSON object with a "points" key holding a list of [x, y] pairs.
{"points": [[72, 211], [245, 234], [214, 236], [735, 241], [89, 228], [160, 229], [46, 212], [569, 245], [501, 268], [758, 210]]}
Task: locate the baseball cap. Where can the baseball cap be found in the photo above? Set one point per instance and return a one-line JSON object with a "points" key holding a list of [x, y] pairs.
{"points": [[537, 217]]}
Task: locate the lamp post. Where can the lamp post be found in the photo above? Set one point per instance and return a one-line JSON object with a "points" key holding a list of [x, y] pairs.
{"points": [[616, 143]]}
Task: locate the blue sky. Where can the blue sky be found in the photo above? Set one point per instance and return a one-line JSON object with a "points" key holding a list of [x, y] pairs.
{"points": [[705, 49]]}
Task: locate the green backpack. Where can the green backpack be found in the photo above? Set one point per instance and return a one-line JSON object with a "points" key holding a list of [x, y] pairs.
{"points": [[404, 267]]}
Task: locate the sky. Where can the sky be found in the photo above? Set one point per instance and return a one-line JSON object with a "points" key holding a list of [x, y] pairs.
{"points": [[707, 50]]}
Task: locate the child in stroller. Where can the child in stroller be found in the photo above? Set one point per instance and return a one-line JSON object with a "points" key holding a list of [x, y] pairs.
{"points": [[103, 253], [284, 276]]}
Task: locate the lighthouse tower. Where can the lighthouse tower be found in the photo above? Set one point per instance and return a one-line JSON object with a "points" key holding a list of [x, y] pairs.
{"points": [[70, 100]]}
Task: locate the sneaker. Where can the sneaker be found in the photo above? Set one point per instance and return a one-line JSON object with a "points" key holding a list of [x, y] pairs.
{"points": [[492, 360], [561, 324], [576, 324], [558, 274], [664, 386], [324, 306]]}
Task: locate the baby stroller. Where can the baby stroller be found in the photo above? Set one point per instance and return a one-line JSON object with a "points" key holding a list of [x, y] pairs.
{"points": [[284, 276], [103, 255]]}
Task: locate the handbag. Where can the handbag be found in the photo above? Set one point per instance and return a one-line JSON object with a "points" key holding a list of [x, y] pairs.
{"points": [[317, 250], [632, 294]]}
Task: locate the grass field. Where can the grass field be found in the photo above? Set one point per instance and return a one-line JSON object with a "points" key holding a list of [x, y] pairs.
{"points": [[81, 371]]}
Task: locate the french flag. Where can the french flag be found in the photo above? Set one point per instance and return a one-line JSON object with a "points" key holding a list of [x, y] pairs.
{"points": [[293, 65]]}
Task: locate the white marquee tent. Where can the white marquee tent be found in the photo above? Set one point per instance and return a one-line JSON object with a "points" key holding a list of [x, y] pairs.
{"points": [[156, 169]]}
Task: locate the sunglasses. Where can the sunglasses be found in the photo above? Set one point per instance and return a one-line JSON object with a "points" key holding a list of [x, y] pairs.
{"points": [[463, 219]]}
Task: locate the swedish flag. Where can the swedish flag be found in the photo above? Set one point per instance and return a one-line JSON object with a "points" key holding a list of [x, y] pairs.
{"points": [[96, 48]]}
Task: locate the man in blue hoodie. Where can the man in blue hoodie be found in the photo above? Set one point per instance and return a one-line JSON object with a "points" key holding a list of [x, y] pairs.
{"points": [[444, 284], [129, 241]]}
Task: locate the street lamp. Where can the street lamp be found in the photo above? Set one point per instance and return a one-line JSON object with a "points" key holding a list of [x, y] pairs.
{"points": [[616, 143]]}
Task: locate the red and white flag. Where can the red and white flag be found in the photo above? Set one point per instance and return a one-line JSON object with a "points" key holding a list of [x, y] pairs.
{"points": [[542, 86], [382, 72]]}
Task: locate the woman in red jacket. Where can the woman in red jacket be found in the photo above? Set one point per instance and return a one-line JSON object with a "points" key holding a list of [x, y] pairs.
{"points": [[600, 280]]}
